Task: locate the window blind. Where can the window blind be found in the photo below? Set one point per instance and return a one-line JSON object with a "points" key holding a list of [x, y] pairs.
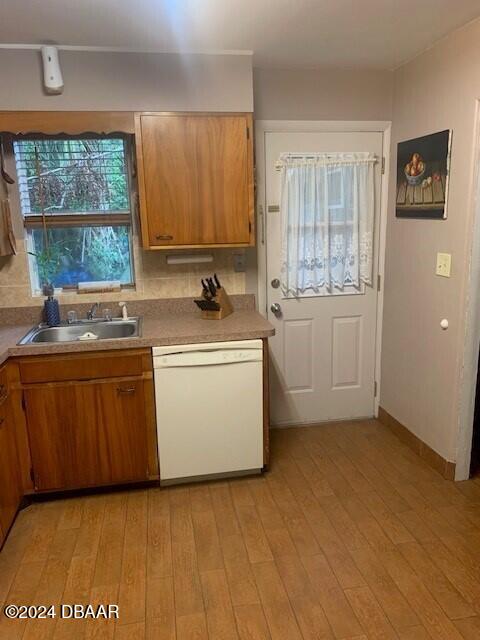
{"points": [[81, 177]]}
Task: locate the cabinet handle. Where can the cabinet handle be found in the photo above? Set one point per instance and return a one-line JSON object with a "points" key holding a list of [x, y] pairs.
{"points": [[164, 237], [126, 389], [2, 420]]}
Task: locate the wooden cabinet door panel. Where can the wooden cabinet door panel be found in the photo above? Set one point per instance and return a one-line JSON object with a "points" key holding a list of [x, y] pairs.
{"points": [[197, 184], [87, 434], [10, 492], [122, 431]]}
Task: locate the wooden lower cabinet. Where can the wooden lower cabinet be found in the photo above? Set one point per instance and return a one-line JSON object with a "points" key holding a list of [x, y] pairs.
{"points": [[10, 489], [87, 433], [84, 434]]}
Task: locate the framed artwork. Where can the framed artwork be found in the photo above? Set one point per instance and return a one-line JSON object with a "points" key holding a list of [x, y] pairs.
{"points": [[422, 176]]}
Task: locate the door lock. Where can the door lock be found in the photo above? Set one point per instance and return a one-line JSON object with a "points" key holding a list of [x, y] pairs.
{"points": [[275, 283], [276, 309]]}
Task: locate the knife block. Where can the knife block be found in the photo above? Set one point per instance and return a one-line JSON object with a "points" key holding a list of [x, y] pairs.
{"points": [[226, 307]]}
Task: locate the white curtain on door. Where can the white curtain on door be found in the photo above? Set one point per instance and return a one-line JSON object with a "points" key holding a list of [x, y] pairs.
{"points": [[328, 210]]}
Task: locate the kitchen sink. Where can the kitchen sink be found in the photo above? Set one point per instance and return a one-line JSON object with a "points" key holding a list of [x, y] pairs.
{"points": [[85, 330]]}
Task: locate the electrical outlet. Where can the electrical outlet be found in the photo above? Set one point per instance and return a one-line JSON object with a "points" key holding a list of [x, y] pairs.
{"points": [[444, 264], [239, 261]]}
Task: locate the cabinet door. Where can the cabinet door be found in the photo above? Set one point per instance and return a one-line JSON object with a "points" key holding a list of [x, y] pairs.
{"points": [[87, 433], [10, 491], [195, 180]]}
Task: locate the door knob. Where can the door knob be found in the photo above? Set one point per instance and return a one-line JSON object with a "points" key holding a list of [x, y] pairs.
{"points": [[276, 309], [275, 283]]}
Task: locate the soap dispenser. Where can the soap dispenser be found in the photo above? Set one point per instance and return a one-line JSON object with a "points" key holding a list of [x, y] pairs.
{"points": [[51, 307]]}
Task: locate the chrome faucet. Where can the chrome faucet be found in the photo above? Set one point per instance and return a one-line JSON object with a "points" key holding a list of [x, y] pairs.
{"points": [[92, 311]]}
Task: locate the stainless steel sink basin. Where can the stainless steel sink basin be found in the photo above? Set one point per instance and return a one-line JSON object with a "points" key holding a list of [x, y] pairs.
{"points": [[85, 330]]}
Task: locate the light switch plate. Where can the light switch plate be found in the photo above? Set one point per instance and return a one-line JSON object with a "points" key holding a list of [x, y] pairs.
{"points": [[444, 264]]}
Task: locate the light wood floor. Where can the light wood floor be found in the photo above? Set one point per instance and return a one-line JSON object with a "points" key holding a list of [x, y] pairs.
{"points": [[349, 536]]}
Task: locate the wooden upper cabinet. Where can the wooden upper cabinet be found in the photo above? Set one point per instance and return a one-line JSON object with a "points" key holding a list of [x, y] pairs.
{"points": [[195, 176]]}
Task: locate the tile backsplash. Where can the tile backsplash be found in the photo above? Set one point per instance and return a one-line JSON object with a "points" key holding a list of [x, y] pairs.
{"points": [[154, 278]]}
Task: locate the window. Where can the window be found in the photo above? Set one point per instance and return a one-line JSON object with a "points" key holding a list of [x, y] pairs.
{"points": [[75, 201]]}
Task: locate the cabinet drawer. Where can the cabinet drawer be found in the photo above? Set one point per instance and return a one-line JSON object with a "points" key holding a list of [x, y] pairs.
{"points": [[85, 366]]}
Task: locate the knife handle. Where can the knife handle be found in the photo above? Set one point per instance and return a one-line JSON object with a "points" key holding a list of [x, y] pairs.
{"points": [[211, 286], [206, 290]]}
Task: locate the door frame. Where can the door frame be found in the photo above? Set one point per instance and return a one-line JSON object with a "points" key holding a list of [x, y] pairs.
{"points": [[262, 127], [467, 379]]}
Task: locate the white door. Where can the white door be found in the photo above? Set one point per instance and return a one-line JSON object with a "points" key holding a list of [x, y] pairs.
{"points": [[323, 352]]}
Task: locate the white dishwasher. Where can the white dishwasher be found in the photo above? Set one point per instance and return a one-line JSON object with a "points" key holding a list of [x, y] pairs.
{"points": [[209, 400]]}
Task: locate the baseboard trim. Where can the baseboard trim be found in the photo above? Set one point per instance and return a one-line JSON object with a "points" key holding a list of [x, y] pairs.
{"points": [[434, 459], [316, 423]]}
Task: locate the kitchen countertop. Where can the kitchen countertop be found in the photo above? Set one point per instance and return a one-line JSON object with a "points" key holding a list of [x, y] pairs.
{"points": [[163, 329]]}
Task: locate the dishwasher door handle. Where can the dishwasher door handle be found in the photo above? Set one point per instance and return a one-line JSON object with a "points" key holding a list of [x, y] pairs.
{"points": [[193, 365], [205, 358]]}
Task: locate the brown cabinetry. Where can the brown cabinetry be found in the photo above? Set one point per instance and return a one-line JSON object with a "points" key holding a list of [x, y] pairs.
{"points": [[195, 175], [10, 490], [90, 432]]}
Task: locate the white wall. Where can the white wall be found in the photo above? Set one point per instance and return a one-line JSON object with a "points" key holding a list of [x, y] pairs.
{"points": [[322, 94], [129, 82], [421, 364]]}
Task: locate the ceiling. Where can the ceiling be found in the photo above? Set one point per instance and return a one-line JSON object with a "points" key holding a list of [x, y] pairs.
{"points": [[377, 34]]}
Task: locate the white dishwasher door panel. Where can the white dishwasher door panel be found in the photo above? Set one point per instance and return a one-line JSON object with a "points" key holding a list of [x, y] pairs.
{"points": [[209, 416]]}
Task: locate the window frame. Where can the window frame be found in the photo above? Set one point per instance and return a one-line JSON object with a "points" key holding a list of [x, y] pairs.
{"points": [[79, 219]]}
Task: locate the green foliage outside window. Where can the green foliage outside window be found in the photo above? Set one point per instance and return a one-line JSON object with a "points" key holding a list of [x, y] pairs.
{"points": [[82, 254]]}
